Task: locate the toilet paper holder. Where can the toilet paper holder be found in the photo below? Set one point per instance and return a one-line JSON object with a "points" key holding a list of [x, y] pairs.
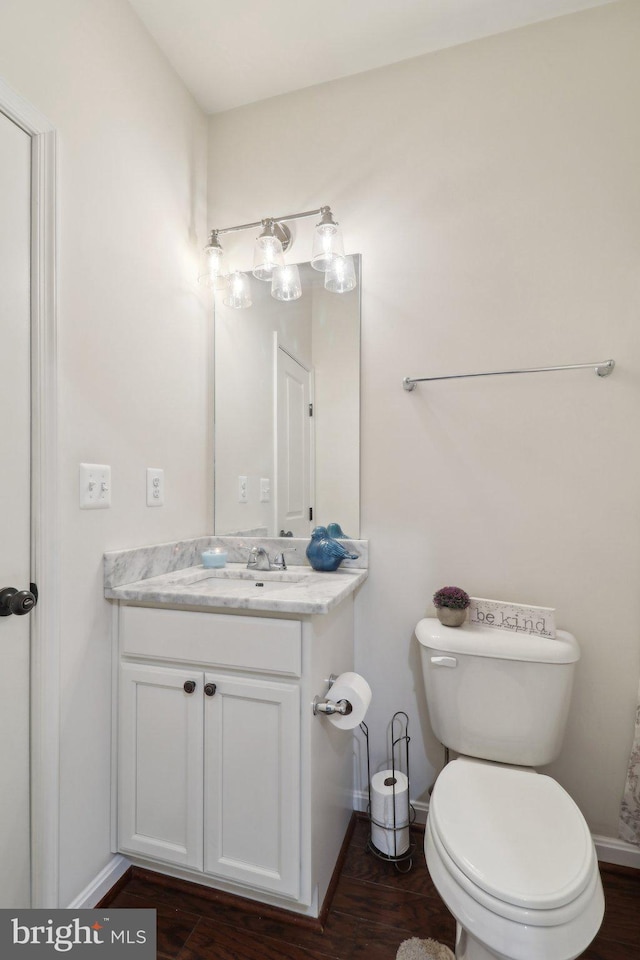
{"points": [[403, 859], [329, 707]]}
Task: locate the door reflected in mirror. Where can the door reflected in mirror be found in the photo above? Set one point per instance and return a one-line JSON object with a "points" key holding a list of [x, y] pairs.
{"points": [[287, 411]]}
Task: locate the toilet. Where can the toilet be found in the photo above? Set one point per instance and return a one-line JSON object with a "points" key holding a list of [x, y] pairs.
{"points": [[507, 848]]}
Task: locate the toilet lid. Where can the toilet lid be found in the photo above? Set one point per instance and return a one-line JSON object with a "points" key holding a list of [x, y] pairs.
{"points": [[514, 833]]}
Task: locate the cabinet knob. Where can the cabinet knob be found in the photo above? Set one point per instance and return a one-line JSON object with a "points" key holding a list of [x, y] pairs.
{"points": [[210, 689], [189, 686]]}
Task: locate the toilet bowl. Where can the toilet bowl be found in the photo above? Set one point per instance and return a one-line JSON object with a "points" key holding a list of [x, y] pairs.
{"points": [[513, 859]]}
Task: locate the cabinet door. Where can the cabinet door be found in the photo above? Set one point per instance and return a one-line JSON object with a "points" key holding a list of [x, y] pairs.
{"points": [[252, 783], [160, 764]]}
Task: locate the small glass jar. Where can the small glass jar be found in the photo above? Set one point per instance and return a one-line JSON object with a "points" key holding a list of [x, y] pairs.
{"points": [[216, 557]]}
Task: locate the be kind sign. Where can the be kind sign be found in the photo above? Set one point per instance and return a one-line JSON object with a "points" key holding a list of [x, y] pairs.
{"points": [[515, 617]]}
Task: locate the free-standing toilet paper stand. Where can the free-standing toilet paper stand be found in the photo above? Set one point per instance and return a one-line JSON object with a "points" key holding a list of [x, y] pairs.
{"points": [[389, 810], [393, 828]]}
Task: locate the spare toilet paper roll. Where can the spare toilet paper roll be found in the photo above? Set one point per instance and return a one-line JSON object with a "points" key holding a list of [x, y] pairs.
{"points": [[355, 689], [383, 800]]}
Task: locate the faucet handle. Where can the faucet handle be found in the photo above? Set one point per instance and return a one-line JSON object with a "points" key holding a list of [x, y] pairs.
{"points": [[258, 559], [279, 560]]}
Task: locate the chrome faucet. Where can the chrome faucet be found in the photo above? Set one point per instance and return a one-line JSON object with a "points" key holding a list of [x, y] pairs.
{"points": [[259, 559]]}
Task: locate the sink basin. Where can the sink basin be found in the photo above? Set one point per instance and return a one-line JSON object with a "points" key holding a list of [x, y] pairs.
{"points": [[238, 573]]}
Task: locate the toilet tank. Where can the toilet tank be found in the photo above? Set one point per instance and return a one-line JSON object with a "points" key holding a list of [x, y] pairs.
{"points": [[497, 695]]}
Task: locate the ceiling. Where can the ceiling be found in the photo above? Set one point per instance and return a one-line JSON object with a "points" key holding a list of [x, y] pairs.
{"points": [[234, 52]]}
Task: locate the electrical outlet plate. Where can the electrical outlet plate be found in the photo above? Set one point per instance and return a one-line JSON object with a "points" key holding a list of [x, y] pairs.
{"points": [[155, 487], [95, 486], [243, 491], [265, 490]]}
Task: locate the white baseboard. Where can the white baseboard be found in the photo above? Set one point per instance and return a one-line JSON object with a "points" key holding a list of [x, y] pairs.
{"points": [[609, 849], [612, 850], [100, 885]]}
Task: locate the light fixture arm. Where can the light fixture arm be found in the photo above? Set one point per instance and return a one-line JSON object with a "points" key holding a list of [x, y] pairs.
{"points": [[278, 221]]}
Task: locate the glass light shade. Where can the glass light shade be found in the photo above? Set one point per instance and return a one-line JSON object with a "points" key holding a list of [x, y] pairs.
{"points": [[285, 284], [268, 254], [238, 293], [327, 245], [341, 275], [212, 268]]}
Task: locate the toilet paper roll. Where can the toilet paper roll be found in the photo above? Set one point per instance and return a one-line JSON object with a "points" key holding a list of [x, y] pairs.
{"points": [[355, 689], [383, 801]]}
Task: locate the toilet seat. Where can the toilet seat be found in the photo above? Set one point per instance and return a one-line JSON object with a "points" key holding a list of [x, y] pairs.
{"points": [[523, 916], [514, 840], [505, 930]]}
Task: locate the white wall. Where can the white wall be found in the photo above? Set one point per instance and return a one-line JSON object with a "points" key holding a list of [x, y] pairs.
{"points": [[492, 189], [133, 333]]}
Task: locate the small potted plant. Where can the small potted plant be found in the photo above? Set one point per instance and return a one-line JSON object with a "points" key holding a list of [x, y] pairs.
{"points": [[451, 605]]}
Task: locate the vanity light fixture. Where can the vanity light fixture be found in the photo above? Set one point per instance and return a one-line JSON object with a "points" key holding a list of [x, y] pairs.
{"points": [[238, 293], [341, 275], [286, 284], [213, 273], [269, 250], [327, 242], [268, 262]]}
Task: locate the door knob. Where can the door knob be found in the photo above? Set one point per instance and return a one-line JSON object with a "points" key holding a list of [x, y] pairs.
{"points": [[209, 689], [17, 602], [189, 686]]}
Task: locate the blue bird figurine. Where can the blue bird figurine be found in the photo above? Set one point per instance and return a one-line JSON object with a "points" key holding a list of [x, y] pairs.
{"points": [[335, 530], [324, 553]]}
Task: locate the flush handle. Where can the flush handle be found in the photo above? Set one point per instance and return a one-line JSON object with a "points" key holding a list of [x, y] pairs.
{"points": [[444, 661]]}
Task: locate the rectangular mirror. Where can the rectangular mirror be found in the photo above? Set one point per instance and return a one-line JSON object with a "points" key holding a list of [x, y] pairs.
{"points": [[287, 411]]}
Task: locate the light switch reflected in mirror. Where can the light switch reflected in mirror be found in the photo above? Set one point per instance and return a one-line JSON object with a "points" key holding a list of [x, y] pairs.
{"points": [[287, 410]]}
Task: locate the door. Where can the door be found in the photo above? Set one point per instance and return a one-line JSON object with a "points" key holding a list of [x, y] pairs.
{"points": [[160, 763], [293, 447], [15, 525], [252, 783]]}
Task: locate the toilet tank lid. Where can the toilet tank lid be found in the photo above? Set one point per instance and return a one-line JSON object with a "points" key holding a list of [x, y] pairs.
{"points": [[482, 641]]}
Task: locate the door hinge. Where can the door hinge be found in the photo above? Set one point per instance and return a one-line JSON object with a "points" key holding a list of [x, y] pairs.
{"points": [[310, 513], [310, 409]]}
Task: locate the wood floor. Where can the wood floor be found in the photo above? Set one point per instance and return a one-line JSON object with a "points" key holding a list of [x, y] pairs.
{"points": [[373, 910]]}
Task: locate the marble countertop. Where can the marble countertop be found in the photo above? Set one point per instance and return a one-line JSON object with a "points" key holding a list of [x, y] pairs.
{"points": [[299, 589]]}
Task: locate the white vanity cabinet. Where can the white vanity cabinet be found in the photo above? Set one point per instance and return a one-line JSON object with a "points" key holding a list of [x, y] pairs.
{"points": [[193, 762], [218, 750]]}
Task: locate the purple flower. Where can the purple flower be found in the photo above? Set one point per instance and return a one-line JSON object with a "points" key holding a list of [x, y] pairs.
{"points": [[452, 597]]}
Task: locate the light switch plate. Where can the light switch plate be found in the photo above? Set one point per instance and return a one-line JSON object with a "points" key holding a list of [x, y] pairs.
{"points": [[155, 487], [95, 486], [265, 490]]}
